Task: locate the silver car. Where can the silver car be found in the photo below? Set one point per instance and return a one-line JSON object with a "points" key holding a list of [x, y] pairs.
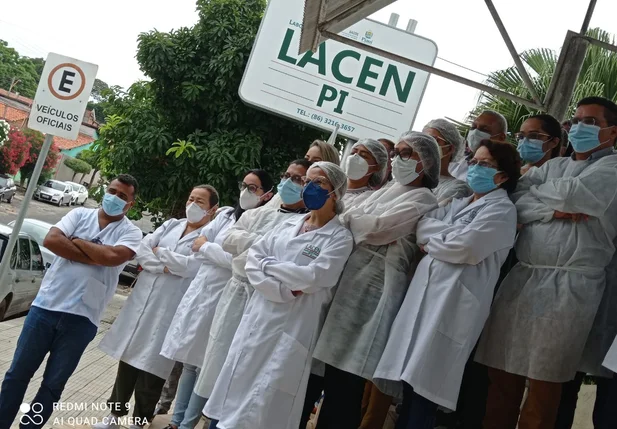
{"points": [[38, 230], [55, 192], [25, 274]]}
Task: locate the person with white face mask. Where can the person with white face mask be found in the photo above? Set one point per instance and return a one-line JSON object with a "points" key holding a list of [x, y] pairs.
{"points": [[294, 269], [489, 125], [365, 167], [544, 309], [375, 278], [136, 336]]}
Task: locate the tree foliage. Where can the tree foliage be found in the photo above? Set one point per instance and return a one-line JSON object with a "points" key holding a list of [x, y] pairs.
{"points": [[598, 77], [35, 140], [24, 72], [14, 152], [77, 165], [192, 100]]}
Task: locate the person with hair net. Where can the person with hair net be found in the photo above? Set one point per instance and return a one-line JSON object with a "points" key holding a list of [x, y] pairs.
{"points": [[294, 270], [375, 279], [452, 145], [365, 167]]}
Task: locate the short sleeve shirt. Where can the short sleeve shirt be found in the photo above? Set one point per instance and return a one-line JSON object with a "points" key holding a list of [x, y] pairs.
{"points": [[85, 290]]}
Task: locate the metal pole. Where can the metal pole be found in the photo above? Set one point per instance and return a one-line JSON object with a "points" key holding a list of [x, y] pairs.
{"points": [[515, 56], [588, 15], [411, 26], [32, 183], [393, 20], [430, 69]]}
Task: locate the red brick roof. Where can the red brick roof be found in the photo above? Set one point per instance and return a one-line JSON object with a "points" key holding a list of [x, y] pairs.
{"points": [[65, 144], [12, 95], [12, 114]]}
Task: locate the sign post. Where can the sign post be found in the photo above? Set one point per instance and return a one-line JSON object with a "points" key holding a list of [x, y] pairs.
{"points": [[57, 110]]}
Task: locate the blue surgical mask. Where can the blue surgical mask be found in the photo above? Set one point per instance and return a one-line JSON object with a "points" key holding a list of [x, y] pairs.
{"points": [[290, 192], [531, 150], [584, 137], [314, 196], [113, 205], [481, 179]]}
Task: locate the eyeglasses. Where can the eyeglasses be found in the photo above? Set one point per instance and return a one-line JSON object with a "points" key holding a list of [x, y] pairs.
{"points": [[482, 164], [319, 181], [404, 154], [294, 178], [252, 188], [588, 120], [532, 136]]}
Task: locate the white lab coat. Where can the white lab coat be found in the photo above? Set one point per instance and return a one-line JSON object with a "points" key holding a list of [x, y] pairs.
{"points": [[264, 379], [449, 298], [545, 307], [610, 361], [354, 197], [449, 189], [374, 282], [187, 336], [251, 227], [138, 332]]}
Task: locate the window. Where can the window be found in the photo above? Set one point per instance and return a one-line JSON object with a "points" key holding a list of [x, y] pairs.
{"points": [[24, 254], [14, 256], [4, 181], [58, 186], [37, 257]]}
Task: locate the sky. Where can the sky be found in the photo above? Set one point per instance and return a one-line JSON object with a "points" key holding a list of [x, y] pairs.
{"points": [[106, 34]]}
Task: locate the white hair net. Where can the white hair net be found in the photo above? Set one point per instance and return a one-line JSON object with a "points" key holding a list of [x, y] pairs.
{"points": [[337, 177], [451, 135], [428, 150], [380, 153]]}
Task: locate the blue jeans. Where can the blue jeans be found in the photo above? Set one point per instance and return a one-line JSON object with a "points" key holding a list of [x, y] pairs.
{"points": [[417, 412], [187, 410], [65, 337]]}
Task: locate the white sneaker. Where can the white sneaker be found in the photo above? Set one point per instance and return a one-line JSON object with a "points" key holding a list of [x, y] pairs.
{"points": [[110, 422]]}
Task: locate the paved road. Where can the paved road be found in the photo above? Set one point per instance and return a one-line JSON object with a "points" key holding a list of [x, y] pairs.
{"points": [[37, 210]]}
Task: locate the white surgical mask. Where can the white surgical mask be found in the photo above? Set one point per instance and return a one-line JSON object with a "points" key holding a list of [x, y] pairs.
{"points": [[194, 213], [356, 167], [404, 171], [475, 137], [249, 200]]}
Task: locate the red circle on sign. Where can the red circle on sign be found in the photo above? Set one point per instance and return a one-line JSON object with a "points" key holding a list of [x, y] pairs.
{"points": [[66, 97]]}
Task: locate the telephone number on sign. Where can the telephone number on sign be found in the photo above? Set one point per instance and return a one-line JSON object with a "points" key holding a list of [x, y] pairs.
{"points": [[318, 118]]}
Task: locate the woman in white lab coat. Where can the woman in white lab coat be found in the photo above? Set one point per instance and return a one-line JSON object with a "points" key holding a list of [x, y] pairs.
{"points": [[187, 337], [136, 336], [449, 298], [375, 279], [293, 269]]}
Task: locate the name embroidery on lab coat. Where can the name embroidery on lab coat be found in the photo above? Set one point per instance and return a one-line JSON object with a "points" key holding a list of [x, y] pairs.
{"points": [[311, 251]]}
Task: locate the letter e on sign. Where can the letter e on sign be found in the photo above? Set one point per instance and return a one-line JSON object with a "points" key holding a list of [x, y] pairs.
{"points": [[63, 93]]}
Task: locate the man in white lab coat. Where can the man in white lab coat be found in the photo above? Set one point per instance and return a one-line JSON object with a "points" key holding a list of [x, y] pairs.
{"points": [[92, 246]]}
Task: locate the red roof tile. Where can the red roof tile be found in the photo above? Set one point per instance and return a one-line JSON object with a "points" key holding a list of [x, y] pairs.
{"points": [[12, 114], [14, 96], [65, 144]]}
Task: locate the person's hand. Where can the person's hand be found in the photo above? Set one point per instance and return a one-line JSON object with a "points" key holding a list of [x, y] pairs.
{"points": [[166, 270], [579, 217], [200, 241], [422, 248], [155, 249], [519, 226], [575, 217], [297, 292], [525, 168]]}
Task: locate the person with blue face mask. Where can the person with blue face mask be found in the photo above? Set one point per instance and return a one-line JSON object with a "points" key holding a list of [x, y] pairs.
{"points": [[538, 140], [545, 308], [450, 295]]}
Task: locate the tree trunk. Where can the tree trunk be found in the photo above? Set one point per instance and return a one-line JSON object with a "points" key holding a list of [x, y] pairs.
{"points": [[73, 179], [92, 178]]}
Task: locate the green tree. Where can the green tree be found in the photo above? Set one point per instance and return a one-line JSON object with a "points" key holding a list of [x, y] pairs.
{"points": [[192, 99], [598, 77], [78, 166], [23, 72], [93, 157], [36, 139]]}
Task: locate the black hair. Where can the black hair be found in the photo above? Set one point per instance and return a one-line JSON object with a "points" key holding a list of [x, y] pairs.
{"points": [[302, 162], [610, 108], [128, 180], [508, 161], [267, 185], [389, 143], [552, 127], [213, 199]]}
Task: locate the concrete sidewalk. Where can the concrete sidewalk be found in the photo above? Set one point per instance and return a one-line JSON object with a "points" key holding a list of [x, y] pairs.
{"points": [[84, 398]]}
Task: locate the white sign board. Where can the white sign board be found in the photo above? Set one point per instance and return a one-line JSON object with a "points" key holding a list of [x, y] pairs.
{"points": [[62, 96], [364, 94]]}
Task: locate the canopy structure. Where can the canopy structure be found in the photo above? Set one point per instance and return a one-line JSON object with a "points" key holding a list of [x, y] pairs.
{"points": [[325, 19]]}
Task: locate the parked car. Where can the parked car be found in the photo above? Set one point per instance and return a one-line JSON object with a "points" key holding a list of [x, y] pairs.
{"points": [[79, 194], [132, 269], [55, 192], [25, 273], [7, 188], [38, 230]]}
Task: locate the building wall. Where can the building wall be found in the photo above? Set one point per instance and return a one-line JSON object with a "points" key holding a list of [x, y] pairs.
{"points": [[73, 152], [64, 173]]}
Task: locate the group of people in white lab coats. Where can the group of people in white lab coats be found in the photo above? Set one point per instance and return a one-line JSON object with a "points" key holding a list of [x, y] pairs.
{"points": [[355, 289]]}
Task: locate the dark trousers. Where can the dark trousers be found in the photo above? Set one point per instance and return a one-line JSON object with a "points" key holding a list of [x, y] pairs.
{"points": [[417, 412], [65, 337], [313, 393], [342, 405], [604, 411], [147, 388]]}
